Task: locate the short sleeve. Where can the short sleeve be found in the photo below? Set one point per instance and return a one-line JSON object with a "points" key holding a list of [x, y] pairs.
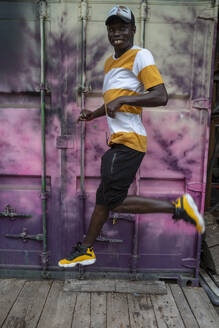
{"points": [[145, 69]]}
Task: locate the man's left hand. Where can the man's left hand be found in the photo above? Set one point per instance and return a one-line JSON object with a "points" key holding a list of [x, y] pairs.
{"points": [[113, 106]]}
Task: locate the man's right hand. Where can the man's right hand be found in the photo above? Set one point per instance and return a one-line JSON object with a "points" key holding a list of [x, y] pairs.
{"points": [[85, 115]]}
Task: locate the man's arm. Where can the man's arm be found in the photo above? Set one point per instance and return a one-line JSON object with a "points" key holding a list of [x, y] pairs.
{"points": [[157, 96], [87, 115]]}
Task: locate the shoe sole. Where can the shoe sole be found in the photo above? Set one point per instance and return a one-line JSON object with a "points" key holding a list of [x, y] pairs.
{"points": [[195, 209], [72, 265]]}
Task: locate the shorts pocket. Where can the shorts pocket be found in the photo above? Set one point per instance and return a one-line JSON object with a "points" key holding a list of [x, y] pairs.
{"points": [[113, 163]]}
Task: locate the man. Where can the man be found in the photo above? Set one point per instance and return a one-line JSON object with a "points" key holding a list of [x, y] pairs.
{"points": [[128, 74]]}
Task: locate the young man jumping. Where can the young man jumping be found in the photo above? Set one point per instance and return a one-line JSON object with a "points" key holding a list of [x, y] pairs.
{"points": [[127, 75]]}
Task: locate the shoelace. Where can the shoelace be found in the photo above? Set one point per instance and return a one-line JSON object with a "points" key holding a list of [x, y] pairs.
{"points": [[76, 250]]}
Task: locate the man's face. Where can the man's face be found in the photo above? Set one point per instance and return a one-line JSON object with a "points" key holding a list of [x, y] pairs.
{"points": [[120, 34]]}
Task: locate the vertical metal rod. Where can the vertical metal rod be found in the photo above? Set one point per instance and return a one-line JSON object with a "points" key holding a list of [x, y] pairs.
{"points": [[209, 117], [83, 130], [83, 45], [144, 14], [204, 181], [43, 138], [83, 127], [83, 78], [144, 11], [136, 229]]}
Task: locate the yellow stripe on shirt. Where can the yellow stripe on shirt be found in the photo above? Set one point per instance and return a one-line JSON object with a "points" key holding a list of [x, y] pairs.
{"points": [[129, 139], [115, 93], [150, 76], [122, 61]]}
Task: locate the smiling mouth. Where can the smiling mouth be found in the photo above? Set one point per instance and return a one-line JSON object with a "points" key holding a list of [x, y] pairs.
{"points": [[117, 42]]}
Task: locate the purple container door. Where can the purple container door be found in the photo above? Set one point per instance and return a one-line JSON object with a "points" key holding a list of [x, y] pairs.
{"points": [[20, 168], [20, 132]]}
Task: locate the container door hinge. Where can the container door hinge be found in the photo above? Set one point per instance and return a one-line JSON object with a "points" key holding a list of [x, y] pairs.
{"points": [[42, 8], [10, 213], [189, 262], [84, 89], [209, 13], [44, 195], [84, 10], [195, 186], [201, 103], [25, 237]]}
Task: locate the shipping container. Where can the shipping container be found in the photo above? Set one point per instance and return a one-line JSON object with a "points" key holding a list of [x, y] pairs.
{"points": [[51, 64]]}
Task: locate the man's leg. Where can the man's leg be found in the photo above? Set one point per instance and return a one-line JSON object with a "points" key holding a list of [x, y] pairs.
{"points": [[98, 218], [183, 208], [132, 204], [83, 252], [138, 204]]}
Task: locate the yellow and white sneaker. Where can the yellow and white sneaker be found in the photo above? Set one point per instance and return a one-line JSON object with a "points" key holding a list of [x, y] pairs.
{"points": [[79, 255], [186, 209]]}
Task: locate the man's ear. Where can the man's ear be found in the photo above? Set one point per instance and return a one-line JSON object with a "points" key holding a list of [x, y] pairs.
{"points": [[133, 29]]}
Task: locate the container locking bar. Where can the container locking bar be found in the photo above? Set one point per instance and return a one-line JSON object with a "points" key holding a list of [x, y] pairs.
{"points": [[10, 212], [101, 238], [25, 237]]}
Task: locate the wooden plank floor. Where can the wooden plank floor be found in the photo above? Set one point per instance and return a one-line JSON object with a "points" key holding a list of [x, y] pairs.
{"points": [[45, 304]]}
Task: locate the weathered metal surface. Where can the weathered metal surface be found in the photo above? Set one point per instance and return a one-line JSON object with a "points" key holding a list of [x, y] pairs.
{"points": [[181, 38]]}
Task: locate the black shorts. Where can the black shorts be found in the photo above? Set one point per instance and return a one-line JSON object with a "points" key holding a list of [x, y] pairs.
{"points": [[118, 169]]}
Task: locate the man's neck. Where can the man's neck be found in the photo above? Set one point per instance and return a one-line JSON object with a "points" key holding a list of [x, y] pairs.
{"points": [[120, 52]]}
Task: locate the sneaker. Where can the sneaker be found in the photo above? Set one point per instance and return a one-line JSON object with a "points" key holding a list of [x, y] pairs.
{"points": [[186, 209], [79, 255]]}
